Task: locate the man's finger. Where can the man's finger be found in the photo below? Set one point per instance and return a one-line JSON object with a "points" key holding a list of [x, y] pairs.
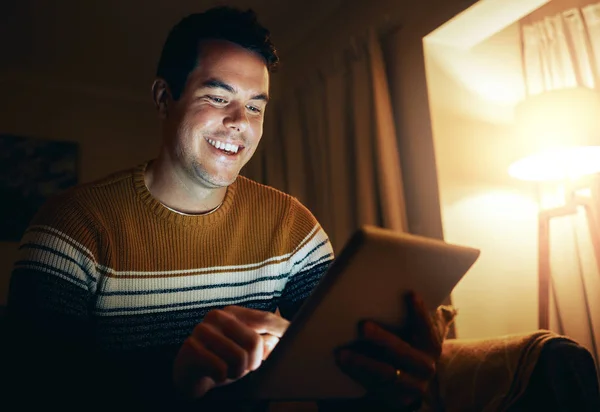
{"points": [[233, 354], [239, 333], [201, 362], [398, 352], [260, 321], [423, 333]]}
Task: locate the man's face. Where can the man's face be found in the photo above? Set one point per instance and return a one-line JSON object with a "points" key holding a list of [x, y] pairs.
{"points": [[216, 125]]}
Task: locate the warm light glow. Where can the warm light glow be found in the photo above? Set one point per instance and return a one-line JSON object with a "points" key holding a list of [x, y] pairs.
{"points": [[552, 196], [558, 164], [482, 20], [559, 118], [498, 295], [480, 48], [584, 192], [491, 70], [560, 133]]}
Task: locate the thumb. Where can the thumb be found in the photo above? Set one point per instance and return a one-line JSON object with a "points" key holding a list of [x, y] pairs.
{"points": [[202, 386], [269, 343]]}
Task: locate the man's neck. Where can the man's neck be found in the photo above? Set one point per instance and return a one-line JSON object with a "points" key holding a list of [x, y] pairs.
{"points": [[173, 191]]}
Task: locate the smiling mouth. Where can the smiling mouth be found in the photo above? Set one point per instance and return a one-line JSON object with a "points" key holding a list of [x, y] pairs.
{"points": [[229, 149]]}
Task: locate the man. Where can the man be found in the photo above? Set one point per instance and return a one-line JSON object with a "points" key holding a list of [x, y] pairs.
{"points": [[157, 284]]}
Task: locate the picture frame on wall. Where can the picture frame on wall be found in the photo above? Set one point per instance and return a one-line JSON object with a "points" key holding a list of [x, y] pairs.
{"points": [[31, 171]]}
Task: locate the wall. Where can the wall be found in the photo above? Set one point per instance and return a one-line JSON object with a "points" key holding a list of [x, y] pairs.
{"points": [[498, 295], [114, 131], [472, 94]]}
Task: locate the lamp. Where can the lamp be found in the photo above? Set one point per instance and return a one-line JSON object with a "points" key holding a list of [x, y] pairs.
{"points": [[560, 132], [560, 135]]}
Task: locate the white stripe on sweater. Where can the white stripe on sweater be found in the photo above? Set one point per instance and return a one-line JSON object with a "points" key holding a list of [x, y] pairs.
{"points": [[86, 268], [133, 294]]}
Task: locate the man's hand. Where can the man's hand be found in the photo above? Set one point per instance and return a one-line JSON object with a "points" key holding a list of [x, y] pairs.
{"points": [[395, 371], [224, 347]]}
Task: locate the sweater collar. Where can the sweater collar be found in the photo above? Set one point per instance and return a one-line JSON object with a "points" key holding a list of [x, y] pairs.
{"points": [[164, 212]]}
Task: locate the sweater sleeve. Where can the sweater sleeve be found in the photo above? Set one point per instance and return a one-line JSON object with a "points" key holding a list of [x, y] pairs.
{"points": [[51, 291], [56, 271], [312, 254]]}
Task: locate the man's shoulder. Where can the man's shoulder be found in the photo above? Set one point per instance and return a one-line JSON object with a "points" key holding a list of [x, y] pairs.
{"points": [[112, 179], [108, 187], [273, 198], [90, 198], [248, 185], [300, 224]]}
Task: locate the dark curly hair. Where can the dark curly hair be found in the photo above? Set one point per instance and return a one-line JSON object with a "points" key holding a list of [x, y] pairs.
{"points": [[179, 55]]}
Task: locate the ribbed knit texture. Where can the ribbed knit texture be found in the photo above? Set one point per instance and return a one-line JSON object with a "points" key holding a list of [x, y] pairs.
{"points": [[109, 254]]}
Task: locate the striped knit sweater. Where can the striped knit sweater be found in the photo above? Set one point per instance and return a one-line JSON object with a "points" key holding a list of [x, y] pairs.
{"points": [[105, 264]]}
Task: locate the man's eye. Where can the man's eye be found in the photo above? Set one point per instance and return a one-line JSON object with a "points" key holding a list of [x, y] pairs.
{"points": [[253, 109], [218, 100]]}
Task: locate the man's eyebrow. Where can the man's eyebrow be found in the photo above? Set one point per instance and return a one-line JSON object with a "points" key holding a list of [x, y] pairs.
{"points": [[219, 84], [261, 96]]}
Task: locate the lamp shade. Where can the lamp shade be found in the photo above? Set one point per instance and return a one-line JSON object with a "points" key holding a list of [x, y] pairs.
{"points": [[560, 135]]}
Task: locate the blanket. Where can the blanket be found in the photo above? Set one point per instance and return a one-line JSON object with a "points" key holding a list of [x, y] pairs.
{"points": [[485, 375]]}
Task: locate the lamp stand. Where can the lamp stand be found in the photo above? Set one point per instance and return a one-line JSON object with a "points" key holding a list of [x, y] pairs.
{"points": [[573, 200]]}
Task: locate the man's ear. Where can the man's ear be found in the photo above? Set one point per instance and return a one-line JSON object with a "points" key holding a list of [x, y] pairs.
{"points": [[161, 94]]}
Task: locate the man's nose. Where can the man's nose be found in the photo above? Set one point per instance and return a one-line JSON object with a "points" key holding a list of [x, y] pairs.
{"points": [[236, 118]]}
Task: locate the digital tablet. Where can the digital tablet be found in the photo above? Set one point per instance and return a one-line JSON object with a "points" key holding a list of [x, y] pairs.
{"points": [[368, 280]]}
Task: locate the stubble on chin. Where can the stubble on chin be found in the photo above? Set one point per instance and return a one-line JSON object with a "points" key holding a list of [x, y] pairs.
{"points": [[189, 152]]}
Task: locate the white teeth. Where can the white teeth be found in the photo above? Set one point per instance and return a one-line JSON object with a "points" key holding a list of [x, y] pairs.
{"points": [[224, 146]]}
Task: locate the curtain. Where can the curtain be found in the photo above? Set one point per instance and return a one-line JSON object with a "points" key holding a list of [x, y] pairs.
{"points": [[562, 50], [330, 140]]}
